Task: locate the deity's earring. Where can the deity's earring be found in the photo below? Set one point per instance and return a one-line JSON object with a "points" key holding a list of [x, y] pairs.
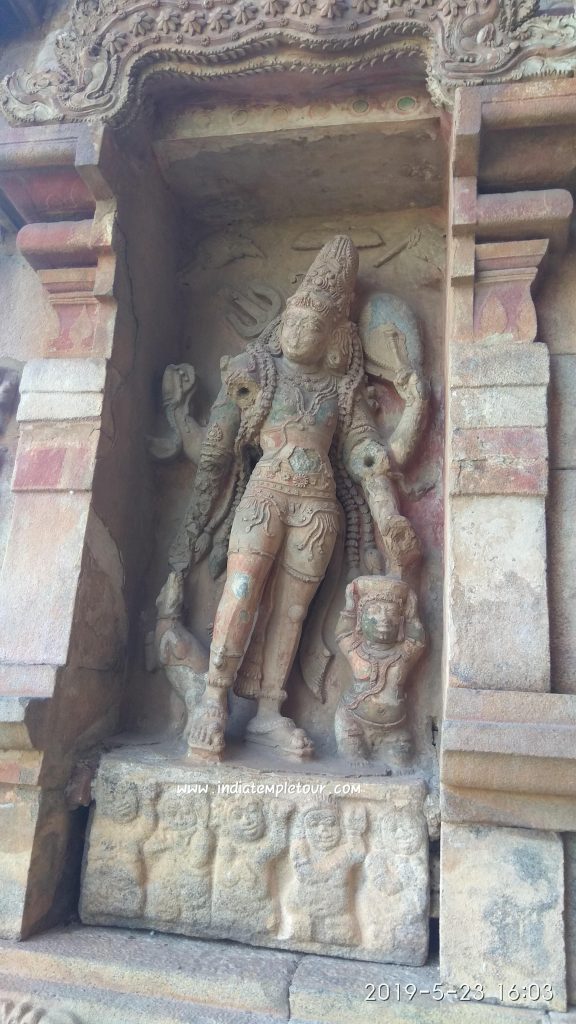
{"points": [[334, 360]]}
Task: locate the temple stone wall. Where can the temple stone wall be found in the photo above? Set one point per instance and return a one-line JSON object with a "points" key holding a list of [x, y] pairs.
{"points": [[147, 232]]}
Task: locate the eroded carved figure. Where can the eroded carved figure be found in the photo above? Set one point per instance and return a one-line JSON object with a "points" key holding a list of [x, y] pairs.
{"points": [[325, 859], [393, 870], [291, 461], [179, 860], [382, 638], [252, 838], [116, 884]]}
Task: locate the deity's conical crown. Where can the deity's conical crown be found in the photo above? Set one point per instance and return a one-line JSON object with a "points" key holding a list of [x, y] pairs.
{"points": [[328, 286], [388, 589]]}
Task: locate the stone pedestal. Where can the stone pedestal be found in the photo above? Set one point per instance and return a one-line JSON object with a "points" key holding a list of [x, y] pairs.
{"points": [[287, 859]]}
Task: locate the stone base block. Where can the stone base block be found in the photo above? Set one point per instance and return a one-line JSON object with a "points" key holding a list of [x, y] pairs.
{"points": [[502, 914], [290, 860]]}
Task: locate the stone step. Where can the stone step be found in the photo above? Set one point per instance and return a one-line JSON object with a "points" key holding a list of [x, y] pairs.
{"points": [[82, 975], [330, 991], [144, 965], [82, 1004]]}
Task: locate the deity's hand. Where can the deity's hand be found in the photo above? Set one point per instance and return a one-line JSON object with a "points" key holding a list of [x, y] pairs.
{"points": [[171, 597], [372, 459], [411, 386], [350, 597], [356, 821]]}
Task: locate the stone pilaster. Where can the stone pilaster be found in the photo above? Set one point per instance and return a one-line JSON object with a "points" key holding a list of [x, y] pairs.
{"points": [[62, 615], [507, 741]]}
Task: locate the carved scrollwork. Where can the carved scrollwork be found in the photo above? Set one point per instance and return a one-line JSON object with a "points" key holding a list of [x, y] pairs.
{"points": [[110, 48]]}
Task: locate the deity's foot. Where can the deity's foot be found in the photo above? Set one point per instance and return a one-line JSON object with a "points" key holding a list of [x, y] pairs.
{"points": [[205, 732], [271, 729]]}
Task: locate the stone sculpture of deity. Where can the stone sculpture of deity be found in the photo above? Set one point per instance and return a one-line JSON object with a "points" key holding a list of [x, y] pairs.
{"points": [[291, 458], [382, 638]]}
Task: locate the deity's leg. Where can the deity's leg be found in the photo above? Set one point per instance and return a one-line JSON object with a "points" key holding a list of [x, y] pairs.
{"points": [[249, 678], [304, 560], [251, 558], [350, 736]]}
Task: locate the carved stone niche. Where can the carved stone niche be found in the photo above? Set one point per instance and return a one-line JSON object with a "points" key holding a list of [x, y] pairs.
{"points": [[281, 859], [292, 606]]}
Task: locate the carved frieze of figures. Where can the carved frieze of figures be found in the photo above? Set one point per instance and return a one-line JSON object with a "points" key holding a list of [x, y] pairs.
{"points": [[339, 875], [295, 490], [110, 49]]}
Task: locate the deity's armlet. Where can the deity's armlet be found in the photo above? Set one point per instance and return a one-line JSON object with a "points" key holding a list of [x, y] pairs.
{"points": [[362, 441]]}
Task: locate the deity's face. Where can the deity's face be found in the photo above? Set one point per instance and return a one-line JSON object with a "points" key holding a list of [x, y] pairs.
{"points": [[380, 621], [304, 336], [403, 833], [322, 829], [247, 822]]}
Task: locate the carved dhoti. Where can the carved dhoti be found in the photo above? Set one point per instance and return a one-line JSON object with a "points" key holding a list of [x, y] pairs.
{"points": [[280, 546]]}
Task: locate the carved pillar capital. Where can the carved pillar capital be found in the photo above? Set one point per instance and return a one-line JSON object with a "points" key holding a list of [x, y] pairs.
{"points": [[503, 306]]}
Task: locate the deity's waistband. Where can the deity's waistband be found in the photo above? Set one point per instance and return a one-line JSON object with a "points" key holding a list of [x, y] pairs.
{"points": [[323, 494], [289, 477]]}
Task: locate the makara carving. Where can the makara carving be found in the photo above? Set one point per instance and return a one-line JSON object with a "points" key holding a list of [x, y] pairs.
{"points": [[110, 49], [343, 876], [292, 473]]}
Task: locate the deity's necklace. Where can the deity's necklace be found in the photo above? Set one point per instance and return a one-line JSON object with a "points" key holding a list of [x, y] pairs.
{"points": [[321, 386]]}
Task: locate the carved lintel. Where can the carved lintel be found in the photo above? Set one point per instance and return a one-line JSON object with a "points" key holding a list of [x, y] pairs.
{"points": [[110, 49]]}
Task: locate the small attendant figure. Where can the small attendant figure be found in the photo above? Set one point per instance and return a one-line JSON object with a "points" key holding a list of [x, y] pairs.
{"points": [[382, 638]]}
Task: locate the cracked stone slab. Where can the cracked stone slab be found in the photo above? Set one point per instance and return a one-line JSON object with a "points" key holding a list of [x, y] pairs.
{"points": [[142, 966]]}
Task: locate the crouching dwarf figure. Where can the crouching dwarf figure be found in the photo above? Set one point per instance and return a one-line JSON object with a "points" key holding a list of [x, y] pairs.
{"points": [[382, 638], [290, 451]]}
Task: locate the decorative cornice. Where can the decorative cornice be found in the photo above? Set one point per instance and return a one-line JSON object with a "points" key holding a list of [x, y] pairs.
{"points": [[111, 48]]}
